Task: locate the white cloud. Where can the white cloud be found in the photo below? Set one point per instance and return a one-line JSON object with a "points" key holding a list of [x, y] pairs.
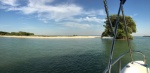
{"points": [[45, 11], [94, 12], [90, 19], [34, 3], [77, 25], [102, 12], [135, 14], [49, 12], [9, 2], [87, 19]]}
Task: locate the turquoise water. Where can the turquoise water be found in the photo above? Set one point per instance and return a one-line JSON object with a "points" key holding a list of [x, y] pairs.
{"points": [[18, 55]]}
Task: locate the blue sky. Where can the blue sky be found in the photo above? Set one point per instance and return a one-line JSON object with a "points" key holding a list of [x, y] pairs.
{"points": [[68, 17]]}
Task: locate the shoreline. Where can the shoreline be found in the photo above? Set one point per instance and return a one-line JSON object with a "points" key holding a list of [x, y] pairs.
{"points": [[51, 37]]}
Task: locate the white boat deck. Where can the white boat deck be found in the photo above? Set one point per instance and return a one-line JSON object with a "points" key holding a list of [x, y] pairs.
{"points": [[136, 67]]}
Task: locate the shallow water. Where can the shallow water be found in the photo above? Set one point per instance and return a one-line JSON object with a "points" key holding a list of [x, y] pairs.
{"points": [[18, 55]]}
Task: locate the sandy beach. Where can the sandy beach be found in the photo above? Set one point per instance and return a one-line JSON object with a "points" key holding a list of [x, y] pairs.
{"points": [[51, 37]]}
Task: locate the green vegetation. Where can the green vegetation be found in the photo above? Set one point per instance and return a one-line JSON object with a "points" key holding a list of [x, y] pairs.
{"points": [[121, 28], [74, 35], [20, 33]]}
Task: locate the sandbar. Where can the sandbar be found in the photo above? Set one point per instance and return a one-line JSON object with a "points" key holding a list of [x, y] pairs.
{"points": [[51, 37]]}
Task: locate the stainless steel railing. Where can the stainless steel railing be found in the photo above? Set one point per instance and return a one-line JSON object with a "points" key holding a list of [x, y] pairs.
{"points": [[121, 56]]}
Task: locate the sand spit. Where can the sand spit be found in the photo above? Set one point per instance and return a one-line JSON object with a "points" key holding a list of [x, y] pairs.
{"points": [[51, 37]]}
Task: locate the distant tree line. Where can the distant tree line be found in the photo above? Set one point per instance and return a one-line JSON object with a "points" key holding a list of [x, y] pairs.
{"points": [[20, 33]]}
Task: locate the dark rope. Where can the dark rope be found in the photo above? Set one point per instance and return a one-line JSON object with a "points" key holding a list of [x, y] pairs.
{"points": [[114, 38], [123, 1], [115, 31], [126, 29], [107, 12]]}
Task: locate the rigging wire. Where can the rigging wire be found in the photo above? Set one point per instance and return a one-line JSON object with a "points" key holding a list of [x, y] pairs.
{"points": [[114, 38], [115, 31], [126, 29], [107, 13]]}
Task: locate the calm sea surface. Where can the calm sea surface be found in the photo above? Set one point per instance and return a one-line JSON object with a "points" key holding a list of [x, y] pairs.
{"points": [[18, 55]]}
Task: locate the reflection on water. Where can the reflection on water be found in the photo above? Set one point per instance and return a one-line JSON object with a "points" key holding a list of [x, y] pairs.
{"points": [[62, 55], [120, 47], [57, 64]]}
